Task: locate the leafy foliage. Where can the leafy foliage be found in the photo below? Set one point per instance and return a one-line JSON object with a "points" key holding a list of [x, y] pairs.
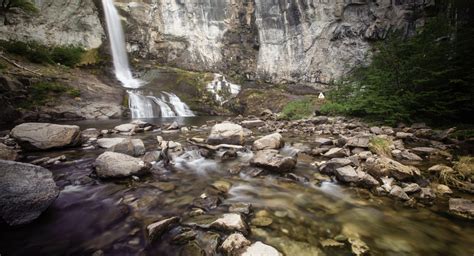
{"points": [[44, 93], [38, 53], [298, 109], [428, 77]]}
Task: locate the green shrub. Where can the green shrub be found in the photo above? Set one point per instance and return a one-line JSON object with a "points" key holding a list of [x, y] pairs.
{"points": [[67, 55], [298, 109], [424, 78], [43, 93], [41, 54]]}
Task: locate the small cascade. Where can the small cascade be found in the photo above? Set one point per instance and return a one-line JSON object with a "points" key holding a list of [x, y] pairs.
{"points": [[141, 106], [222, 89], [166, 111], [179, 106]]}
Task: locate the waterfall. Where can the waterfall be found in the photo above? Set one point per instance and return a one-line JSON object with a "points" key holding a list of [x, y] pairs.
{"points": [[141, 106], [117, 44], [179, 106]]}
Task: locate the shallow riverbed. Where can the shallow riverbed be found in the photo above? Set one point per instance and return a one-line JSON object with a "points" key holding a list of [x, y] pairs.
{"points": [[301, 217]]}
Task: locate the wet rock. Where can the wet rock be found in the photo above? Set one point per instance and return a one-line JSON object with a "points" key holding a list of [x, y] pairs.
{"points": [[319, 120], [272, 141], [125, 127], [323, 141], [222, 185], [252, 123], [440, 168], [192, 249], [331, 243], [347, 174], [261, 221], [156, 229], [336, 153], [230, 222], [90, 133], [229, 155], [243, 208], [234, 243], [443, 189], [424, 150], [164, 186], [6, 153], [427, 193], [207, 202], [405, 155], [226, 133], [184, 237], [42, 136], [132, 147], [385, 166], [366, 180], [399, 193], [109, 142], [404, 135], [359, 141], [173, 126], [272, 161], [117, 165], [462, 207], [259, 249], [25, 191], [412, 188], [330, 166], [151, 157]]}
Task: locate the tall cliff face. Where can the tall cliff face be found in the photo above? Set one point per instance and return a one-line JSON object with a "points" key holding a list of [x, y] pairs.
{"points": [[294, 41], [308, 41], [65, 22]]}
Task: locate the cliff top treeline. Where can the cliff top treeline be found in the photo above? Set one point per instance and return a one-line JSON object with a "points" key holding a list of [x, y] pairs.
{"points": [[428, 77]]}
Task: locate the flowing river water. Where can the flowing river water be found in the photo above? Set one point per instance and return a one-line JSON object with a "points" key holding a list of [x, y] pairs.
{"points": [[111, 216]]}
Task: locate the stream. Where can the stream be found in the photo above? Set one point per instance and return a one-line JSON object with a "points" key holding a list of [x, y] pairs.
{"points": [[104, 217]]}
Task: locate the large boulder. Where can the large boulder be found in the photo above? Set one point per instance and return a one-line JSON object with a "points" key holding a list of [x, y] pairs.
{"points": [[44, 136], [109, 142], [272, 161], [272, 141], [117, 165], [7, 153], [385, 166], [132, 147], [25, 191], [226, 133]]}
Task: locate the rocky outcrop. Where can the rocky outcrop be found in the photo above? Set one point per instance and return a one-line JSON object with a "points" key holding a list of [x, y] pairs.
{"points": [[226, 133], [117, 165], [25, 191], [57, 23], [292, 41], [42, 136], [272, 161]]}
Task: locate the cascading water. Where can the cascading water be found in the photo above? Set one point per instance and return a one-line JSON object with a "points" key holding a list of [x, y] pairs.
{"points": [[141, 106]]}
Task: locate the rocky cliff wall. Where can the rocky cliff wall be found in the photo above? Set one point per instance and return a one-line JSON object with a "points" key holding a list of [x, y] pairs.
{"points": [[279, 41], [65, 22]]}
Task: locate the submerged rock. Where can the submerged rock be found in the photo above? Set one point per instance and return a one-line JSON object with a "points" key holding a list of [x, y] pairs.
{"points": [[109, 142], [272, 141], [384, 166], [7, 153], [25, 191], [156, 229], [42, 136], [226, 133], [272, 161], [260, 249], [132, 147], [462, 207], [233, 243], [117, 165], [231, 222]]}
